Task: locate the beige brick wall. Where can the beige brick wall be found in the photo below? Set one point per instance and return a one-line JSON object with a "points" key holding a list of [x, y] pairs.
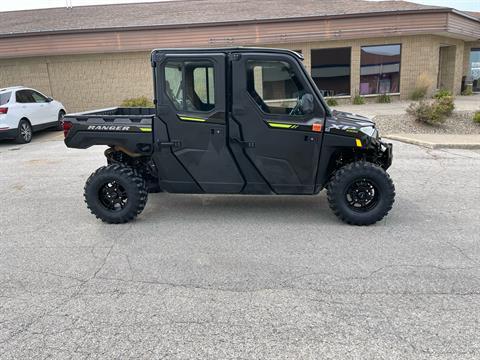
{"points": [[85, 82]]}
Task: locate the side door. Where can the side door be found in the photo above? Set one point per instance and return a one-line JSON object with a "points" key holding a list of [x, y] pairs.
{"points": [[280, 120], [46, 110], [28, 107], [191, 104]]}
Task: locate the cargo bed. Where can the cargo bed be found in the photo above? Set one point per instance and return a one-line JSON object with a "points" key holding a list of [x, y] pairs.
{"points": [[130, 128]]}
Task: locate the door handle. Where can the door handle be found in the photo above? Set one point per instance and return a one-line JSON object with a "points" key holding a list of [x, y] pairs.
{"points": [[245, 144], [173, 143]]}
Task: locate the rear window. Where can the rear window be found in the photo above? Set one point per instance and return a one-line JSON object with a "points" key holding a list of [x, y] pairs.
{"points": [[4, 98]]}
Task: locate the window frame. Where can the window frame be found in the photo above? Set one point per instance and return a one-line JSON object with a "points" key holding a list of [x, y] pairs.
{"points": [[29, 93], [293, 67], [399, 69], [33, 92], [183, 61]]}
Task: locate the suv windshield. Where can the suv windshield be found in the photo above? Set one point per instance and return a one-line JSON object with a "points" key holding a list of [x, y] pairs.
{"points": [[4, 98]]}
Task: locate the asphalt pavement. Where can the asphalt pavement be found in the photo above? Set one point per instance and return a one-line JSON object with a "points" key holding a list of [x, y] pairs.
{"points": [[237, 277]]}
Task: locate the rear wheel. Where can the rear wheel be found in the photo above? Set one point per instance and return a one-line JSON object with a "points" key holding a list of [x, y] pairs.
{"points": [[116, 193], [61, 115], [361, 193], [24, 132]]}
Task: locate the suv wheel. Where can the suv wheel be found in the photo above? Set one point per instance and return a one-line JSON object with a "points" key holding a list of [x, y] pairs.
{"points": [[116, 193], [24, 132], [61, 115], [361, 193]]}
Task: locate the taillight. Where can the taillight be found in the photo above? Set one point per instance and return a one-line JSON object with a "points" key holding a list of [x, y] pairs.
{"points": [[3, 110], [67, 125]]}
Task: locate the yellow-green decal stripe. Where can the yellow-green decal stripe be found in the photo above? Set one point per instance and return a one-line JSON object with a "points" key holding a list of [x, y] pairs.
{"points": [[280, 126], [187, 118], [144, 129]]}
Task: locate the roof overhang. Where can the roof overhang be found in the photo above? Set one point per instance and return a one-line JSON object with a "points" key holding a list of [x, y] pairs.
{"points": [[444, 21]]}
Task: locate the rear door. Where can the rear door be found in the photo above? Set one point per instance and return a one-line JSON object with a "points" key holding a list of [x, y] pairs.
{"points": [[28, 107], [278, 137], [191, 104]]}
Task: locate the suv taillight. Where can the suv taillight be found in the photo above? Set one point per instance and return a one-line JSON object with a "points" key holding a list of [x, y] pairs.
{"points": [[3, 110], [67, 125]]}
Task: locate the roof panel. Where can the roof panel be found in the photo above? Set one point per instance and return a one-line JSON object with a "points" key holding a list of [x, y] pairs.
{"points": [[186, 12]]}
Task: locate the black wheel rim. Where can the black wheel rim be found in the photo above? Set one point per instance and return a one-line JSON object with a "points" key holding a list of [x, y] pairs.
{"points": [[26, 132], [362, 195], [113, 196]]}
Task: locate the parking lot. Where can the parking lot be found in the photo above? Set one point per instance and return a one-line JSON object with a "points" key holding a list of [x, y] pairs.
{"points": [[247, 277]]}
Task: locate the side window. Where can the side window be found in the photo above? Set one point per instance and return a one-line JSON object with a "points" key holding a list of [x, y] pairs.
{"points": [[5, 98], [38, 98], [173, 83], [275, 87], [21, 96], [190, 85]]}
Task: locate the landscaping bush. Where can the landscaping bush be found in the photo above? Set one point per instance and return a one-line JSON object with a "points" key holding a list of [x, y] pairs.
{"points": [[384, 99], [422, 85], [332, 102], [141, 101], [432, 112], [445, 105], [468, 91], [358, 100], [442, 93], [476, 117]]}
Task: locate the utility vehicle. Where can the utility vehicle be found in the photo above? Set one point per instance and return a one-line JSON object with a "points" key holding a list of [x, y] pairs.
{"points": [[234, 121]]}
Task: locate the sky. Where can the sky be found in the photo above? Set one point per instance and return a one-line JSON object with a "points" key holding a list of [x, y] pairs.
{"points": [[473, 5]]}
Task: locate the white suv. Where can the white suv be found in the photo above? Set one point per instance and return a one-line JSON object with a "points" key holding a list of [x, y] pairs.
{"points": [[24, 110]]}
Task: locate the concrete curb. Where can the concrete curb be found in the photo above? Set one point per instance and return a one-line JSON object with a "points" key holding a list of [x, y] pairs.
{"points": [[441, 144]]}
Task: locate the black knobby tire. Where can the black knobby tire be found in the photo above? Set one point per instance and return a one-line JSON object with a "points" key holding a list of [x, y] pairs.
{"points": [[361, 193], [61, 115], [116, 193], [24, 132]]}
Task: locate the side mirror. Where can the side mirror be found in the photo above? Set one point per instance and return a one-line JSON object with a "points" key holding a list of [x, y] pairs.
{"points": [[306, 104], [49, 99]]}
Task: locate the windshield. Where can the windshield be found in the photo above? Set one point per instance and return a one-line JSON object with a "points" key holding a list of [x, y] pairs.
{"points": [[4, 98]]}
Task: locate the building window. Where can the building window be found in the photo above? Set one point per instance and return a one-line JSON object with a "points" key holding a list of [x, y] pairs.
{"points": [[380, 69], [190, 85], [331, 70], [274, 86], [475, 68]]}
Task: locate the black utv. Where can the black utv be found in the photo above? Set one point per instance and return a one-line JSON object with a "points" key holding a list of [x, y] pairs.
{"points": [[234, 121]]}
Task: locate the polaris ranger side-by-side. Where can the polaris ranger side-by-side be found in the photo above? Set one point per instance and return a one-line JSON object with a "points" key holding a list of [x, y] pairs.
{"points": [[234, 121]]}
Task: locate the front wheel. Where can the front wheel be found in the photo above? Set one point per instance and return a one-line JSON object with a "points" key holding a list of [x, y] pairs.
{"points": [[116, 193], [361, 193], [61, 115]]}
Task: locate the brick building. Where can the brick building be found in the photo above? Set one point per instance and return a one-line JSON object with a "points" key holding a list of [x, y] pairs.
{"points": [[96, 56]]}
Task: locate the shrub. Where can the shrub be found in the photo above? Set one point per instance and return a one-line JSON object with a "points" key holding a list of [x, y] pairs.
{"points": [[422, 85], [424, 112], [476, 117], [468, 91], [432, 112], [384, 99], [445, 105], [141, 101], [442, 93], [358, 100], [332, 102]]}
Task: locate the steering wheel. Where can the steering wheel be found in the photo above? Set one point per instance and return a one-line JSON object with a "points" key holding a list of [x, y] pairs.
{"points": [[297, 109]]}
